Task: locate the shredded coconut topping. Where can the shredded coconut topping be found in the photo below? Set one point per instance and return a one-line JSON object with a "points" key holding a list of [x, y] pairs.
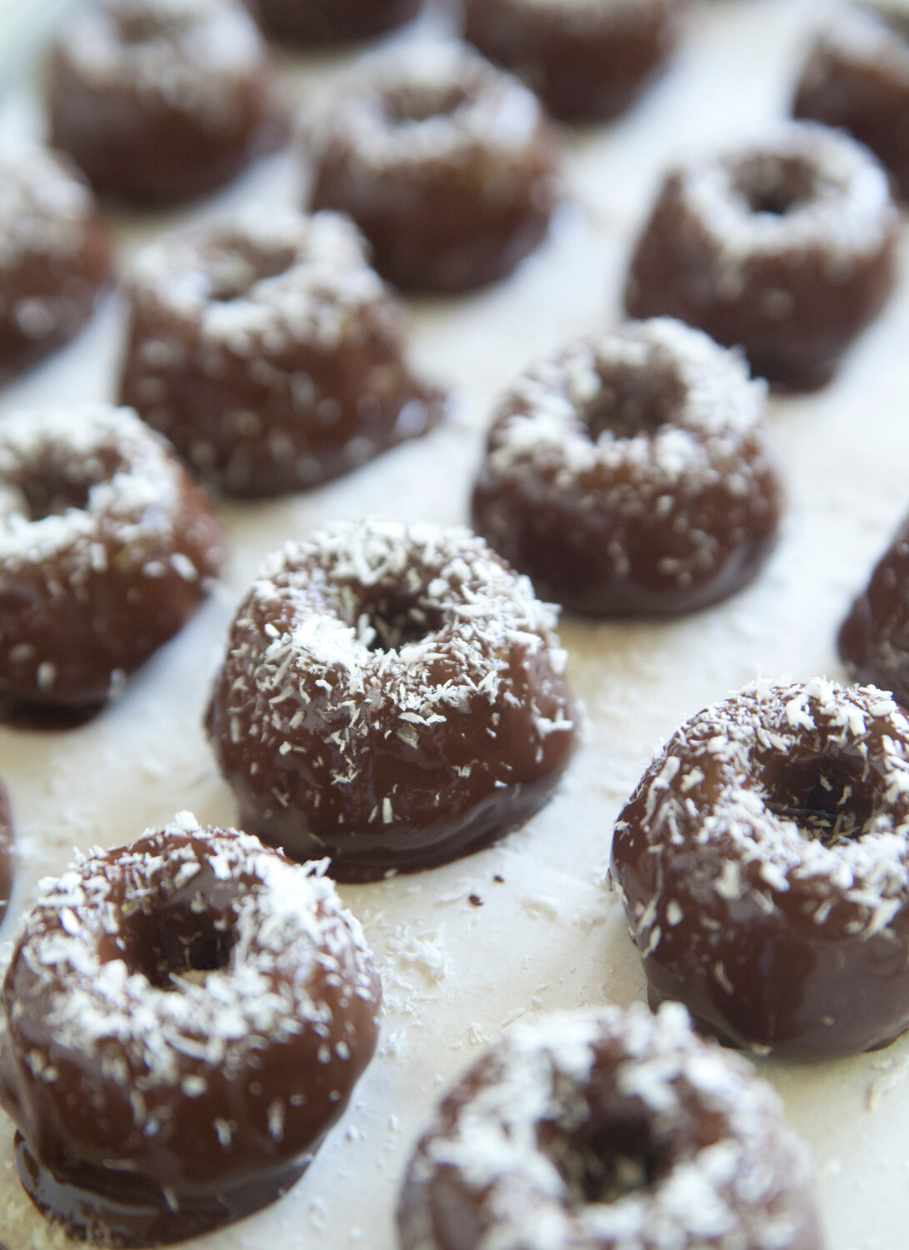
{"points": [[845, 208], [131, 483], [429, 101], [288, 931], [263, 281], [714, 786], [519, 1132], [44, 205], [182, 54]]}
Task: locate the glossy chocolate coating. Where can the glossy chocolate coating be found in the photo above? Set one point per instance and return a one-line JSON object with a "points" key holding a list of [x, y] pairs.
{"points": [[390, 698], [56, 258], [785, 249], [155, 1107], [856, 78], [159, 101], [107, 547], [874, 638], [6, 851], [286, 367], [598, 1127], [313, 22], [587, 61], [764, 867], [447, 165], [580, 488]]}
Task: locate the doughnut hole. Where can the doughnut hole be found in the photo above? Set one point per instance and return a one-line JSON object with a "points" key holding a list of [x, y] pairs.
{"points": [[54, 483], [411, 104], [134, 28], [830, 797], [175, 942], [606, 1158], [235, 268], [635, 401], [392, 619], [776, 186]]}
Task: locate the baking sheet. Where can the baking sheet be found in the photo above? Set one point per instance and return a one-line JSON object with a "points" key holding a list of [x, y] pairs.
{"points": [[550, 936]]}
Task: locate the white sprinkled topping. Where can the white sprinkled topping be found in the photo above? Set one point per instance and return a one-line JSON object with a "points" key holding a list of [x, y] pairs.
{"points": [[129, 479], [543, 418], [44, 206], [518, 1132], [726, 781], [264, 280], [840, 196], [430, 101], [182, 54], [478, 609], [287, 931]]}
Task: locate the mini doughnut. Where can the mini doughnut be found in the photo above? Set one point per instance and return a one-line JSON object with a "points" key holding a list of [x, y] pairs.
{"points": [[763, 862], [107, 547], [586, 60], [159, 101], [308, 22], [874, 638], [783, 247], [269, 353], [447, 165], [391, 698], [609, 1129], [631, 474], [185, 1018], [857, 78], [54, 258]]}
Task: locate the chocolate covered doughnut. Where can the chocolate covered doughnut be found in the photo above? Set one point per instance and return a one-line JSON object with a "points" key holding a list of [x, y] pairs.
{"points": [[856, 77], [874, 637], [447, 165], [159, 101], [6, 851], [763, 862], [185, 1018], [313, 22], [54, 257], [587, 60], [609, 1129], [107, 547], [269, 353], [391, 698], [632, 474], [784, 247]]}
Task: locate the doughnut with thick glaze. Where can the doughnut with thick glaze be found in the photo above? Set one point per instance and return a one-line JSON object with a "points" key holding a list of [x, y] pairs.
{"points": [[107, 547], [631, 474], [785, 247], [609, 1129], [391, 698], [448, 166], [185, 1018], [763, 862], [269, 353]]}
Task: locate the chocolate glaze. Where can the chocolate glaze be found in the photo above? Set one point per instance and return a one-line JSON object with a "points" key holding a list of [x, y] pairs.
{"points": [[763, 862], [586, 62], [288, 365], [159, 101], [307, 22], [137, 1128], [390, 698], [784, 248], [586, 1124], [6, 851], [856, 78], [56, 256], [448, 166], [874, 638], [94, 503], [580, 490]]}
